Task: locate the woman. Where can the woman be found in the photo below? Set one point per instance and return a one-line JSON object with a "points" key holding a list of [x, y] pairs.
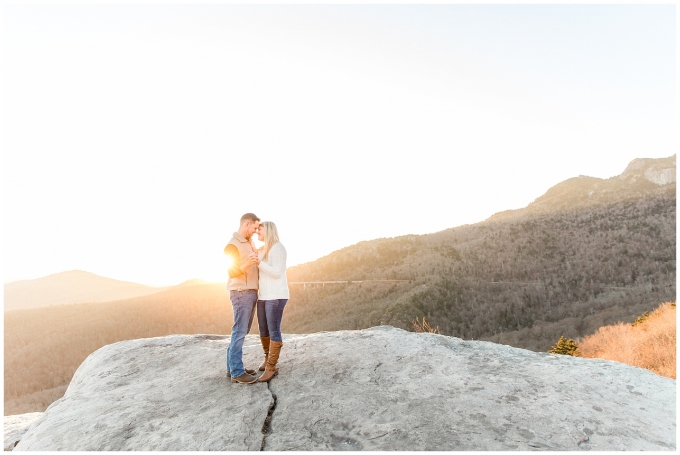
{"points": [[272, 297]]}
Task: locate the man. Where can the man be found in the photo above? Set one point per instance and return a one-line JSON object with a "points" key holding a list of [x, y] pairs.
{"points": [[242, 286]]}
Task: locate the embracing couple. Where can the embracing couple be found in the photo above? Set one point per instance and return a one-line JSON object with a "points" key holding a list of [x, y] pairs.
{"points": [[257, 279]]}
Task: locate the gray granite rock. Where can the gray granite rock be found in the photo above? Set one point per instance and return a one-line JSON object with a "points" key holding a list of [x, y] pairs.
{"points": [[374, 389], [15, 426], [168, 393], [387, 389]]}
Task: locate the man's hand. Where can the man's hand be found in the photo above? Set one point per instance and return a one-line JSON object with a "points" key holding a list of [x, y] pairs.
{"points": [[249, 261], [254, 259]]}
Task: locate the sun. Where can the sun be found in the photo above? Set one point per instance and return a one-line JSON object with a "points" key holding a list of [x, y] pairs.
{"points": [[228, 261], [216, 270]]}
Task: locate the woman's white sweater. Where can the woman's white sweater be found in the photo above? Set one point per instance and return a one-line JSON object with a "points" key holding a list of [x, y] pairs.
{"points": [[273, 282]]}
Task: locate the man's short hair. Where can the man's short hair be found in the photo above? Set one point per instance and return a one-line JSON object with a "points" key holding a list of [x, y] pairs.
{"points": [[249, 217]]}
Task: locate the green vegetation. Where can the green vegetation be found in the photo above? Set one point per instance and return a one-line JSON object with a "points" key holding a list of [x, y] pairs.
{"points": [[640, 319], [565, 347]]}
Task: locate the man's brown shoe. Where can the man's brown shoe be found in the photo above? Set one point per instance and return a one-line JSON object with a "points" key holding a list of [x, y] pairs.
{"points": [[245, 378], [248, 370]]}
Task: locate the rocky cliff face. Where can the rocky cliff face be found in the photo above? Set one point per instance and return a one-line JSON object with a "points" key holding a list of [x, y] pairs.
{"points": [[375, 389], [643, 177], [658, 171]]}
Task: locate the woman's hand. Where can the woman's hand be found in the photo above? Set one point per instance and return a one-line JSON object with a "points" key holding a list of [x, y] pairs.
{"points": [[254, 259], [249, 261]]}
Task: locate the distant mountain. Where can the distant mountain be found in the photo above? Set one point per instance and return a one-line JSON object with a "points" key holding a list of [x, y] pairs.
{"points": [[194, 281], [587, 253], [74, 286]]}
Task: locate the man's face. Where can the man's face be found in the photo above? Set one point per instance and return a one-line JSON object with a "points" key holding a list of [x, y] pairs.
{"points": [[252, 228]]}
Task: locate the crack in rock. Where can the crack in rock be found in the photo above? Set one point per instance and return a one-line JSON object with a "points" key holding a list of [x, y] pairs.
{"points": [[266, 426], [375, 373]]}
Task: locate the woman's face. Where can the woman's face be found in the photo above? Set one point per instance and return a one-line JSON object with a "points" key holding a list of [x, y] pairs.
{"points": [[260, 233]]}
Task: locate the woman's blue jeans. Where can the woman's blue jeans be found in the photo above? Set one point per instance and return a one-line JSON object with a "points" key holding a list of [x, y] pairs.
{"points": [[269, 315], [243, 304]]}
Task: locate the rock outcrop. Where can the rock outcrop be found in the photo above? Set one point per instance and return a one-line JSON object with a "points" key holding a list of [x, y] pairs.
{"points": [[15, 427], [375, 389], [658, 171]]}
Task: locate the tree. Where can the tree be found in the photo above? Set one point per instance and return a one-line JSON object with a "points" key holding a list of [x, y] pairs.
{"points": [[565, 347]]}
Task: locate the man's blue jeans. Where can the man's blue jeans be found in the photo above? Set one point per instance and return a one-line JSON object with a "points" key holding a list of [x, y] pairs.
{"points": [[243, 304], [269, 315]]}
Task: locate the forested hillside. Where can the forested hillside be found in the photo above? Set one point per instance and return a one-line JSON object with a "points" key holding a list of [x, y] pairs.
{"points": [[522, 278]]}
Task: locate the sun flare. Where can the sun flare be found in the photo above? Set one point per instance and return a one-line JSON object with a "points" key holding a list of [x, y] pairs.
{"points": [[228, 262]]}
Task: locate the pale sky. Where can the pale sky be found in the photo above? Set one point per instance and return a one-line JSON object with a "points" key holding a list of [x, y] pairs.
{"points": [[135, 136]]}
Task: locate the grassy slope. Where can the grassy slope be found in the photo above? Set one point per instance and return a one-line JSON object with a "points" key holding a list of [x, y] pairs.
{"points": [[650, 344]]}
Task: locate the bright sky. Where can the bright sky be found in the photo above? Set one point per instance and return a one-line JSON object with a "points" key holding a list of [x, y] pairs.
{"points": [[135, 136]]}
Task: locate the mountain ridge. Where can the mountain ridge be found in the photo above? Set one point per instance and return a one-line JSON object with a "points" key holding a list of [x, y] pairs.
{"points": [[558, 265], [642, 176], [73, 286]]}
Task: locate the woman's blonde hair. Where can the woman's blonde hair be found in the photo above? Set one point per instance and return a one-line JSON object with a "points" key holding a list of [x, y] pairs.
{"points": [[271, 237]]}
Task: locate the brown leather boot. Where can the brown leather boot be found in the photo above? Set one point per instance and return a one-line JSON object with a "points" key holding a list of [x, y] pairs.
{"points": [[273, 358], [245, 378], [265, 346], [248, 370]]}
